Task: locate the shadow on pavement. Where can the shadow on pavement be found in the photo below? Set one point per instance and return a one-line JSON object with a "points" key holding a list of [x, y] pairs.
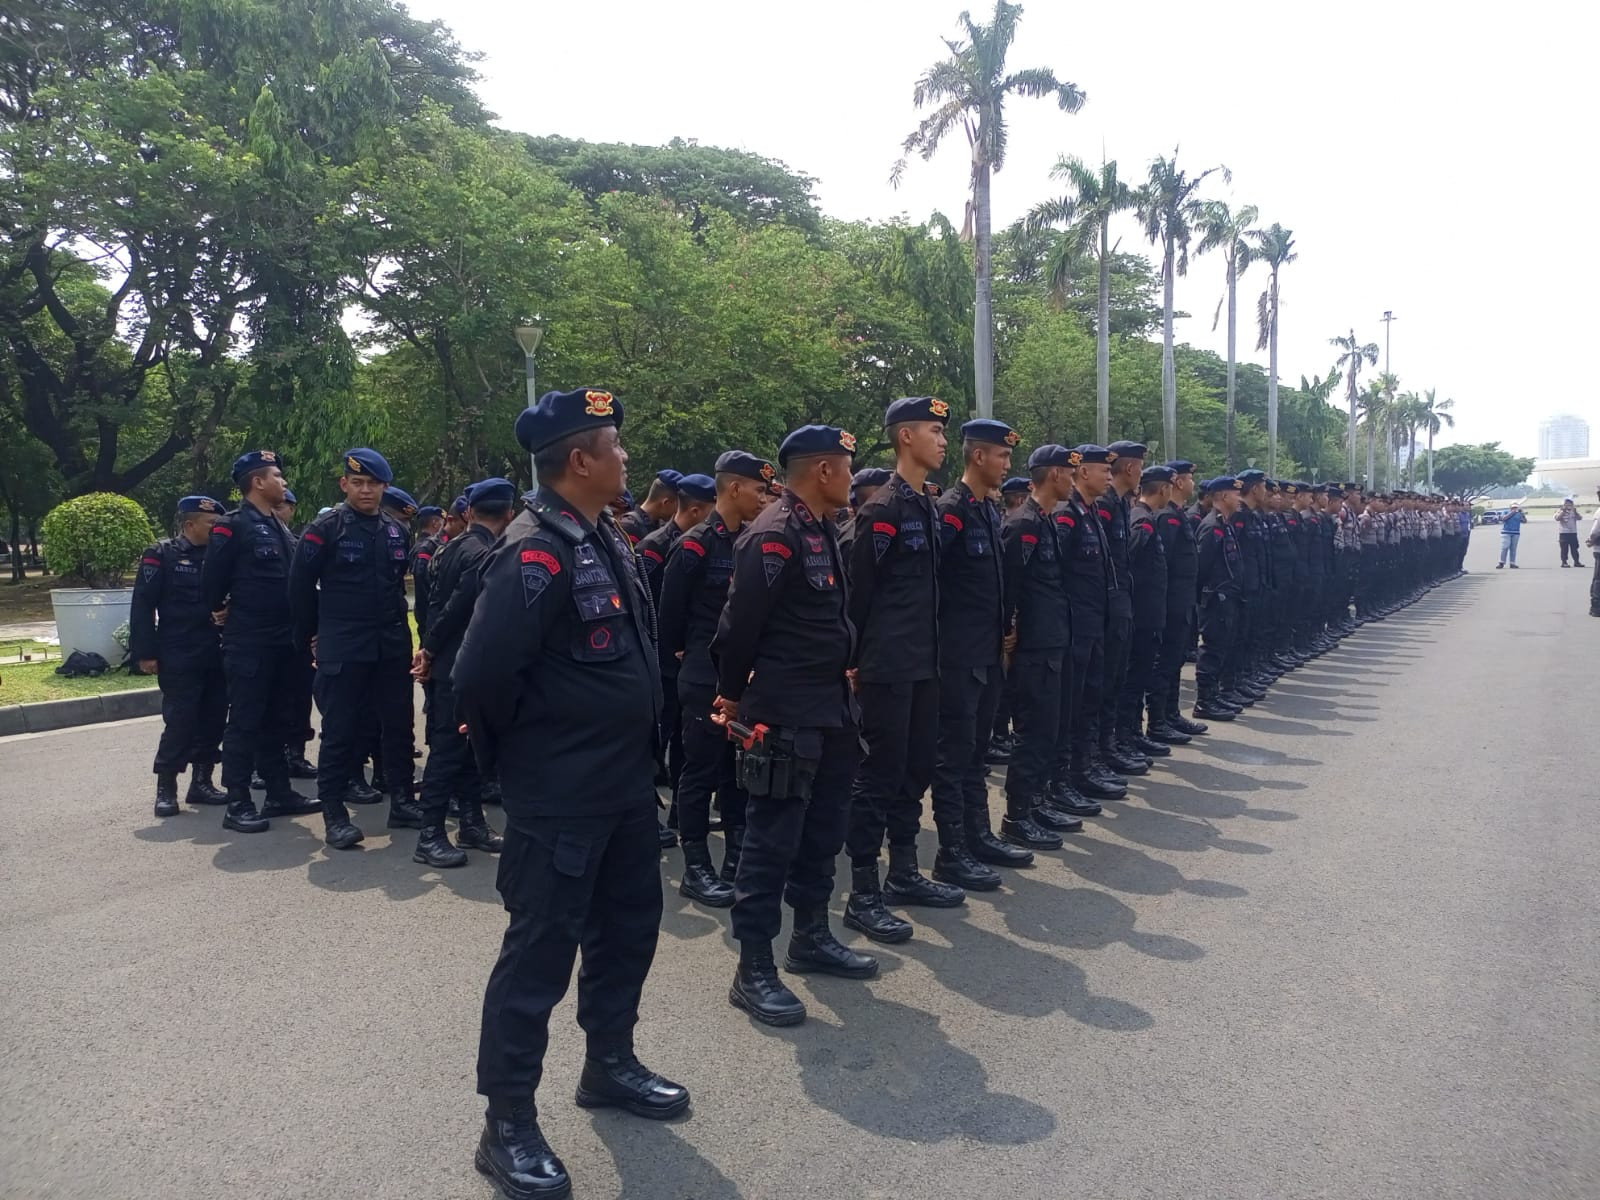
{"points": [[1167, 831], [648, 1152], [1211, 778], [1208, 799], [1251, 756], [1124, 868]]}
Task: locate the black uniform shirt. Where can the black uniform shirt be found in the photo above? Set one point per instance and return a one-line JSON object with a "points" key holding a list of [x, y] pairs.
{"points": [[556, 677], [654, 549], [452, 591], [894, 587], [1147, 564], [784, 640], [1035, 599], [247, 568], [1281, 548], [637, 524], [694, 588], [1183, 563], [169, 619], [1246, 526], [347, 587], [421, 569], [971, 579], [1113, 510], [1086, 566], [1221, 560]]}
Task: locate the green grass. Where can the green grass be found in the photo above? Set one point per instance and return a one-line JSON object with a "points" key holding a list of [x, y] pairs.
{"points": [[30, 682]]}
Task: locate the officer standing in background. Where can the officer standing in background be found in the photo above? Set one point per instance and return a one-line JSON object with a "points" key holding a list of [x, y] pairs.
{"points": [[894, 596], [347, 594], [451, 770], [1147, 566], [972, 646], [659, 505], [783, 648], [1221, 564], [1038, 617], [285, 509], [1082, 777], [864, 485], [295, 752], [455, 518], [558, 685], [430, 540], [172, 636], [693, 591], [1167, 723], [246, 573], [1240, 684], [1127, 465]]}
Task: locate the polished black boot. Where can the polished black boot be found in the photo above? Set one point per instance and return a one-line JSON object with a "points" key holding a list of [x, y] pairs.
{"points": [[288, 803], [1048, 816], [1092, 781], [732, 844], [957, 866], [1020, 829], [201, 789], [1210, 706], [620, 1080], [1122, 763], [1063, 797], [700, 882], [998, 754], [403, 811], [241, 815], [361, 792], [758, 991], [1149, 747], [814, 949], [514, 1154], [475, 833], [339, 832], [294, 758], [491, 791], [905, 884], [167, 794], [435, 849], [987, 848], [864, 911], [665, 838]]}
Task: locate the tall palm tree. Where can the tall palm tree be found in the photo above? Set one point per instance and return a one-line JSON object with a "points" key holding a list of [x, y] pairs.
{"points": [[1275, 246], [1229, 231], [1435, 415], [1352, 355], [1374, 417], [1169, 210], [1408, 419], [969, 89], [1086, 212]]}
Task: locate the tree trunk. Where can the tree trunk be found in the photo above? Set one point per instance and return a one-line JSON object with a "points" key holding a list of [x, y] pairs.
{"points": [[1272, 377], [982, 318], [1169, 372], [1411, 457], [1430, 458], [1233, 353], [1102, 342], [18, 574], [1372, 456]]}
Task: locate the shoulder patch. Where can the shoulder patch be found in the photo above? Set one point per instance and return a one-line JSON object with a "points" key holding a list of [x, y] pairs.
{"points": [[694, 547], [220, 530], [954, 521], [544, 559]]}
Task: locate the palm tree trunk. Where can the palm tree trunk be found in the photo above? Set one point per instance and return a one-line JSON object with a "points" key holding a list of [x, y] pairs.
{"points": [[1430, 457], [1351, 438], [1272, 380], [1411, 457], [1372, 457], [1233, 350], [1102, 342], [1169, 371], [982, 316]]}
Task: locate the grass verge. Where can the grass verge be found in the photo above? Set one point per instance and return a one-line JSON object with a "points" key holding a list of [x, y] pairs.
{"points": [[30, 682]]}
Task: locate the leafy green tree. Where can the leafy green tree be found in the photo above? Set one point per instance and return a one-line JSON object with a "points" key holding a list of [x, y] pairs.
{"points": [[1086, 212], [1351, 355], [1275, 247], [1228, 231], [1467, 471], [1170, 210], [970, 89]]}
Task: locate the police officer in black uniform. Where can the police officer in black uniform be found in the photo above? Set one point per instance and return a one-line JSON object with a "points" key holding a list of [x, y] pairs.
{"points": [[430, 540], [972, 646], [1127, 464], [693, 590], [1038, 616], [894, 564], [347, 594], [660, 502], [1166, 724], [783, 648], [245, 576], [295, 752], [1242, 684], [1221, 567], [558, 685], [451, 769], [1147, 565], [172, 636]]}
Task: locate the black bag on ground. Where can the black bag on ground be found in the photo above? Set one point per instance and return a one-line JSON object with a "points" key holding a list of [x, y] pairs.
{"points": [[82, 663]]}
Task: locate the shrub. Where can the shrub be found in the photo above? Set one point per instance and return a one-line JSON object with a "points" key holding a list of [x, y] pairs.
{"points": [[96, 539]]}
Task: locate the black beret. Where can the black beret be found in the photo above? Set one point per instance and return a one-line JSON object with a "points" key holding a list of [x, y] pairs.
{"points": [[1248, 479], [811, 441], [489, 491], [399, 500], [702, 489], [458, 506], [870, 477], [1126, 450], [746, 465], [917, 408], [669, 477], [1155, 475], [1050, 455], [429, 510], [362, 461], [1181, 466], [559, 415], [1013, 485], [995, 432], [254, 461], [1090, 453], [1222, 483], [1336, 491], [288, 496], [198, 504]]}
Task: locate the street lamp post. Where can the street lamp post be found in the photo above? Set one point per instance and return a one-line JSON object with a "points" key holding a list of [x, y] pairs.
{"points": [[528, 337]]}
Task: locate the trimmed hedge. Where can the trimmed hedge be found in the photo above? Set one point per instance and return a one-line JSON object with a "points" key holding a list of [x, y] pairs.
{"points": [[96, 539]]}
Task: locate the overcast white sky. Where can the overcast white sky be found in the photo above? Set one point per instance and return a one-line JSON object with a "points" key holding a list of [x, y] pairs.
{"points": [[1428, 157]]}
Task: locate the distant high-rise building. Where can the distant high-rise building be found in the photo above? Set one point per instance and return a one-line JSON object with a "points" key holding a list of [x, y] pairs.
{"points": [[1564, 436]]}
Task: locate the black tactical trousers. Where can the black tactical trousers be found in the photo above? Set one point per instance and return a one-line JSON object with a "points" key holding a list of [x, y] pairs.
{"points": [[1237, 655], [1080, 711], [968, 697], [1037, 682], [899, 723], [1117, 648], [1176, 639], [194, 708], [261, 716], [671, 730], [305, 676], [1219, 615], [1144, 652], [1002, 708], [570, 882], [709, 765], [349, 696], [451, 769], [1594, 583], [791, 846]]}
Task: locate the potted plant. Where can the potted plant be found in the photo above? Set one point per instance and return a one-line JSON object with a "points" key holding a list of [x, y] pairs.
{"points": [[94, 541]]}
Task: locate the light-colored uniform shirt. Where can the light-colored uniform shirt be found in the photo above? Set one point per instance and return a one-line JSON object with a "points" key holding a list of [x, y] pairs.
{"points": [[1567, 519]]}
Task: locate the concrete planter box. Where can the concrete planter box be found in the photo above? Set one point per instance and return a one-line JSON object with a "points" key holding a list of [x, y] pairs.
{"points": [[87, 619]]}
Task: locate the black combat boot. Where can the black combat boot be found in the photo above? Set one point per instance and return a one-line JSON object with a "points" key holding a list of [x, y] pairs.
{"points": [[241, 815], [1020, 829], [475, 832], [618, 1079], [287, 802], [201, 789], [1049, 816], [491, 791], [1120, 761], [167, 794], [435, 849], [1063, 797], [1148, 747], [403, 810], [294, 758], [362, 792], [700, 882], [514, 1154], [999, 752], [955, 864], [814, 949], [905, 884], [732, 844], [665, 837], [1091, 780], [758, 990], [1210, 706], [987, 848], [864, 911], [338, 831]]}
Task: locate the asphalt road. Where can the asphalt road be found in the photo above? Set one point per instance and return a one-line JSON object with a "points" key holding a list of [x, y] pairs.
{"points": [[1343, 947]]}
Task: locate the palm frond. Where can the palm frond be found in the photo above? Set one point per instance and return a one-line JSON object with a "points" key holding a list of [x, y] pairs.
{"points": [[1264, 320], [1051, 212]]}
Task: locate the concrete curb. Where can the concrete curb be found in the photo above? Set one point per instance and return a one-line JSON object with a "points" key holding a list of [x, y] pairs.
{"points": [[79, 710]]}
